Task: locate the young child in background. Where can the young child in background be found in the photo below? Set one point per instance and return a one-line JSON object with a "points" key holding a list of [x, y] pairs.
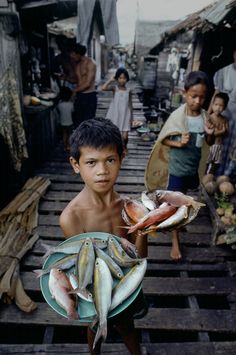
{"points": [[120, 109], [96, 154], [175, 159], [65, 109], [221, 128]]}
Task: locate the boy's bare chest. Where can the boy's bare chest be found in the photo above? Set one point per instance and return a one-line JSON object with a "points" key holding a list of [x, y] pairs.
{"points": [[107, 220]]}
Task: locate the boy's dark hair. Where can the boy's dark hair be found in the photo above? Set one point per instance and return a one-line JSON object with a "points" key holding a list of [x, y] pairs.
{"points": [[223, 96], [195, 78], [122, 71], [65, 93], [77, 48], [95, 133]]}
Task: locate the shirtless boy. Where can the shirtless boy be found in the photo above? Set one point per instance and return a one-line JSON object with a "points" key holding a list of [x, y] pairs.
{"points": [[86, 97], [96, 154]]}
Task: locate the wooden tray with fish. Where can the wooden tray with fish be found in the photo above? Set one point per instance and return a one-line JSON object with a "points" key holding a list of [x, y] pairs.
{"points": [[160, 210], [85, 307]]}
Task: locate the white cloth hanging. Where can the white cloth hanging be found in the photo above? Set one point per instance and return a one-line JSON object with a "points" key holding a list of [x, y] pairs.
{"points": [[85, 10]]}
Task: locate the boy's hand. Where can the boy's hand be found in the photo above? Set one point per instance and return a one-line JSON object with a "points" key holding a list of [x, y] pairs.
{"points": [[209, 127], [185, 137]]}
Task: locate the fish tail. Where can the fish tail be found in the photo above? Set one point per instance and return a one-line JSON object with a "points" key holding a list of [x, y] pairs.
{"points": [[125, 227], [197, 205], [132, 229], [38, 272], [49, 250], [101, 332]]}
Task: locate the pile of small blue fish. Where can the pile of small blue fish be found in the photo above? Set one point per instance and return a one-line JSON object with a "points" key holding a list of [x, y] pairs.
{"points": [[93, 278]]}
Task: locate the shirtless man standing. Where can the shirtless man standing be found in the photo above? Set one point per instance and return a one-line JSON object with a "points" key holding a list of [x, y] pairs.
{"points": [[86, 97]]}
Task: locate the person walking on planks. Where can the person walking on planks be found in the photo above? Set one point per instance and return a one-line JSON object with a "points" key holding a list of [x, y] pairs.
{"points": [[180, 150], [120, 109], [96, 154], [85, 104]]}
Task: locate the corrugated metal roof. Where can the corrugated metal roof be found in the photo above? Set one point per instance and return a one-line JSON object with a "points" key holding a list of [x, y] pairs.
{"points": [[217, 12], [205, 19]]}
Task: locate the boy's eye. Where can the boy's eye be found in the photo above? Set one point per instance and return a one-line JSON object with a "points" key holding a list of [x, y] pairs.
{"points": [[111, 160], [90, 162]]}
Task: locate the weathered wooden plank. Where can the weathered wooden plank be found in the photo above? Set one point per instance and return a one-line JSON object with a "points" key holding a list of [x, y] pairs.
{"points": [[126, 171], [223, 321], [35, 261], [68, 196], [170, 286], [162, 239], [185, 348], [64, 349], [78, 187], [76, 178]]}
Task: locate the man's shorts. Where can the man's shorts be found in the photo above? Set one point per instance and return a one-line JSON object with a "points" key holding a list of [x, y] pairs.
{"points": [[183, 183]]}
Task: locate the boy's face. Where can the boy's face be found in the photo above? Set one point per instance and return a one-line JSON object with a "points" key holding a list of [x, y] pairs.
{"points": [[195, 97], [98, 168], [218, 106]]}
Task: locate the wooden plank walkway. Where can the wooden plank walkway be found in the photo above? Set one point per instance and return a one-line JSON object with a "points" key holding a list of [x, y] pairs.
{"points": [[192, 302]]}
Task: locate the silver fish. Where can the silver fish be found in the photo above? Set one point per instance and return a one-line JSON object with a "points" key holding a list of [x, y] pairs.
{"points": [[118, 254], [147, 202], [66, 248], [102, 296], [113, 266], [129, 247], [75, 284], [72, 247], [84, 268], [65, 263], [128, 284], [59, 286], [176, 218]]}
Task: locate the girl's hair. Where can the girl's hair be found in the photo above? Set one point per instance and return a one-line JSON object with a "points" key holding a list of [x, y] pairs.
{"points": [[223, 96], [96, 133], [195, 78], [65, 93], [122, 71]]}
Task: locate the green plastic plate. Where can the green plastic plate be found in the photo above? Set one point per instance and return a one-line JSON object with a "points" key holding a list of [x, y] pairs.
{"points": [[86, 309]]}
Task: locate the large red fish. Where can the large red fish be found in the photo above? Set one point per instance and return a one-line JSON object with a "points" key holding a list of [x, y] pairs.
{"points": [[60, 287], [135, 210], [153, 217]]}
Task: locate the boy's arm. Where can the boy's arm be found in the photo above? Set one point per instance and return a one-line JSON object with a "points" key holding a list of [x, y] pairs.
{"points": [[106, 86], [141, 243], [185, 137], [69, 224]]}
